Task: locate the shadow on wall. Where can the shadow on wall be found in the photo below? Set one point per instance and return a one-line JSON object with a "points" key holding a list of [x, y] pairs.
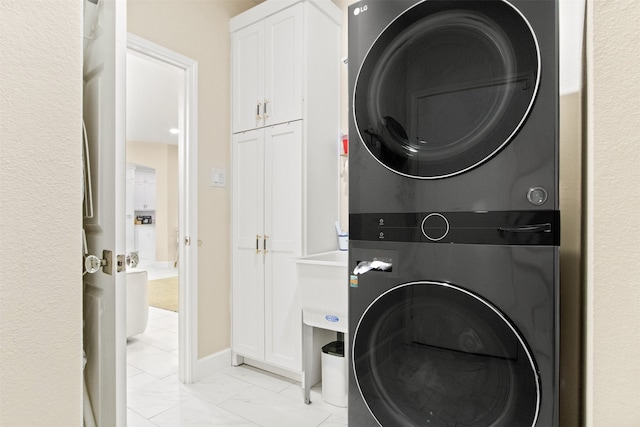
{"points": [[571, 287]]}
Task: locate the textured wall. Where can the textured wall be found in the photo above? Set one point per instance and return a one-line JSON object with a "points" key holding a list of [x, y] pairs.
{"points": [[613, 226], [40, 213]]}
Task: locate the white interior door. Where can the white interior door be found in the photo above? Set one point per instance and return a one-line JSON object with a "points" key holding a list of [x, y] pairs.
{"points": [[104, 291]]}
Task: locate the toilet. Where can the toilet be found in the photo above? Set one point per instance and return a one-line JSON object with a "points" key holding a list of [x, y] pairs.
{"points": [[137, 302]]}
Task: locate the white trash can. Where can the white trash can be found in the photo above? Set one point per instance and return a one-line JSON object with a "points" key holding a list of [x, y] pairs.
{"points": [[334, 374]]}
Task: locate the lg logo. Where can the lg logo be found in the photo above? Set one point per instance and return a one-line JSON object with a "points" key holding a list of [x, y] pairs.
{"points": [[358, 10]]}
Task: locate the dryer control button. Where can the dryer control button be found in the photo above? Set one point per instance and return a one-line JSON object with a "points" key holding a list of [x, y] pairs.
{"points": [[537, 196], [435, 227]]}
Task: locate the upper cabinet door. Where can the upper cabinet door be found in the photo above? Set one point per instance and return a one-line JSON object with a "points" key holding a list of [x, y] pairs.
{"points": [[267, 71], [248, 77], [283, 66]]}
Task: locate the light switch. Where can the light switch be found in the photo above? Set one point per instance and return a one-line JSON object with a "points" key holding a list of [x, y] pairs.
{"points": [[218, 178]]}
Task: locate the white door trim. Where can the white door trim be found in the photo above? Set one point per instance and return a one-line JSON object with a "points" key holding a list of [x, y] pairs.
{"points": [[188, 201]]}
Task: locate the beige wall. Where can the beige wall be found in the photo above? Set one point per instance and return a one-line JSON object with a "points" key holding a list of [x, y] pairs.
{"points": [[40, 171], [200, 30], [40, 213], [612, 205], [164, 159]]}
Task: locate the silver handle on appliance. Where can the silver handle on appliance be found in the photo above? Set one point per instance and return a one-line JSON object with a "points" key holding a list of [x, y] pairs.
{"points": [[532, 228]]}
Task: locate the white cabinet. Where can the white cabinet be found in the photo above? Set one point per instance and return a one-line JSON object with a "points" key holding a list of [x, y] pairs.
{"points": [[129, 209], [285, 177], [267, 235], [129, 227], [144, 190], [145, 242], [267, 70]]}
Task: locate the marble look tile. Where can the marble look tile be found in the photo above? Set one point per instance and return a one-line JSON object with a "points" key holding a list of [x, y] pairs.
{"points": [[154, 361], [269, 409], [217, 388], [136, 345], [237, 396], [162, 322], [132, 371], [295, 392], [335, 421], [136, 420], [149, 396], [255, 376], [197, 412], [162, 339]]}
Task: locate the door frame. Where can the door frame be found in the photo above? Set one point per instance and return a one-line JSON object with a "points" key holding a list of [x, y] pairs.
{"points": [[187, 201]]}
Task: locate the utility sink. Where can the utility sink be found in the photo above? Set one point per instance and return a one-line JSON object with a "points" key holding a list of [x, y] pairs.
{"points": [[323, 280]]}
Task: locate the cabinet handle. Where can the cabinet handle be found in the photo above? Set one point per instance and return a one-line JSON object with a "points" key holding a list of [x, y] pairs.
{"points": [[258, 116], [257, 244], [266, 116], [264, 244]]}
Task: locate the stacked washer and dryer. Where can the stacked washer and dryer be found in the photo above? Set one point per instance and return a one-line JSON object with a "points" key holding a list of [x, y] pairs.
{"points": [[454, 217]]}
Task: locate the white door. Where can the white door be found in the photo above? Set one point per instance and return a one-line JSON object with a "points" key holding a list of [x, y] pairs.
{"points": [[104, 291], [283, 62], [248, 244], [248, 77], [283, 235]]}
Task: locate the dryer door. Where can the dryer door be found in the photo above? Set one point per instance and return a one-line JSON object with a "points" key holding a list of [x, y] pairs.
{"points": [[445, 86], [428, 353]]}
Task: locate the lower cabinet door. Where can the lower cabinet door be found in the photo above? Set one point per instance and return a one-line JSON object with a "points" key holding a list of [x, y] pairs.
{"points": [[283, 238], [247, 241], [267, 237]]}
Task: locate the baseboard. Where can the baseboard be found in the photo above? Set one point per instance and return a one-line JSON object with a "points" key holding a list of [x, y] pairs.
{"points": [[295, 376], [212, 364], [216, 362]]}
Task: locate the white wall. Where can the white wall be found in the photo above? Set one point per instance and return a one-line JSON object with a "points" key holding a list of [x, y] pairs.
{"points": [[613, 203], [40, 213], [571, 28]]}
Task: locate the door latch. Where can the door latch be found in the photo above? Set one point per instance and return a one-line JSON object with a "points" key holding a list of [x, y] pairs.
{"points": [[120, 263]]}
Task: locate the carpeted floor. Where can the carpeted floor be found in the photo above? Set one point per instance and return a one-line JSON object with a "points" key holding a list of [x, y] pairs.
{"points": [[163, 293]]}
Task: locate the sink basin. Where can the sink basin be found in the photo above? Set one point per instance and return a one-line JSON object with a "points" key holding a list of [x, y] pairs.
{"points": [[323, 280]]}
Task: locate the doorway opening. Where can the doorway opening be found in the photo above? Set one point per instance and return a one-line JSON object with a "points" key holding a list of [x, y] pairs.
{"points": [[161, 178]]}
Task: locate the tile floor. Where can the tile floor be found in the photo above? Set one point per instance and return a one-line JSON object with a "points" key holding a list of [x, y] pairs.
{"points": [[236, 396]]}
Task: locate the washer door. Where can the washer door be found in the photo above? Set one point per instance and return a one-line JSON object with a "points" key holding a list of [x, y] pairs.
{"points": [[445, 86], [434, 354]]}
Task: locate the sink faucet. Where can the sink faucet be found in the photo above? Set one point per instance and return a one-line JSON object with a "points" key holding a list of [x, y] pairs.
{"points": [[377, 265]]}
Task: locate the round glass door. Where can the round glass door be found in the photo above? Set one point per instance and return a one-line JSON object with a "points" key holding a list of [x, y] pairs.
{"points": [[435, 354], [445, 86]]}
